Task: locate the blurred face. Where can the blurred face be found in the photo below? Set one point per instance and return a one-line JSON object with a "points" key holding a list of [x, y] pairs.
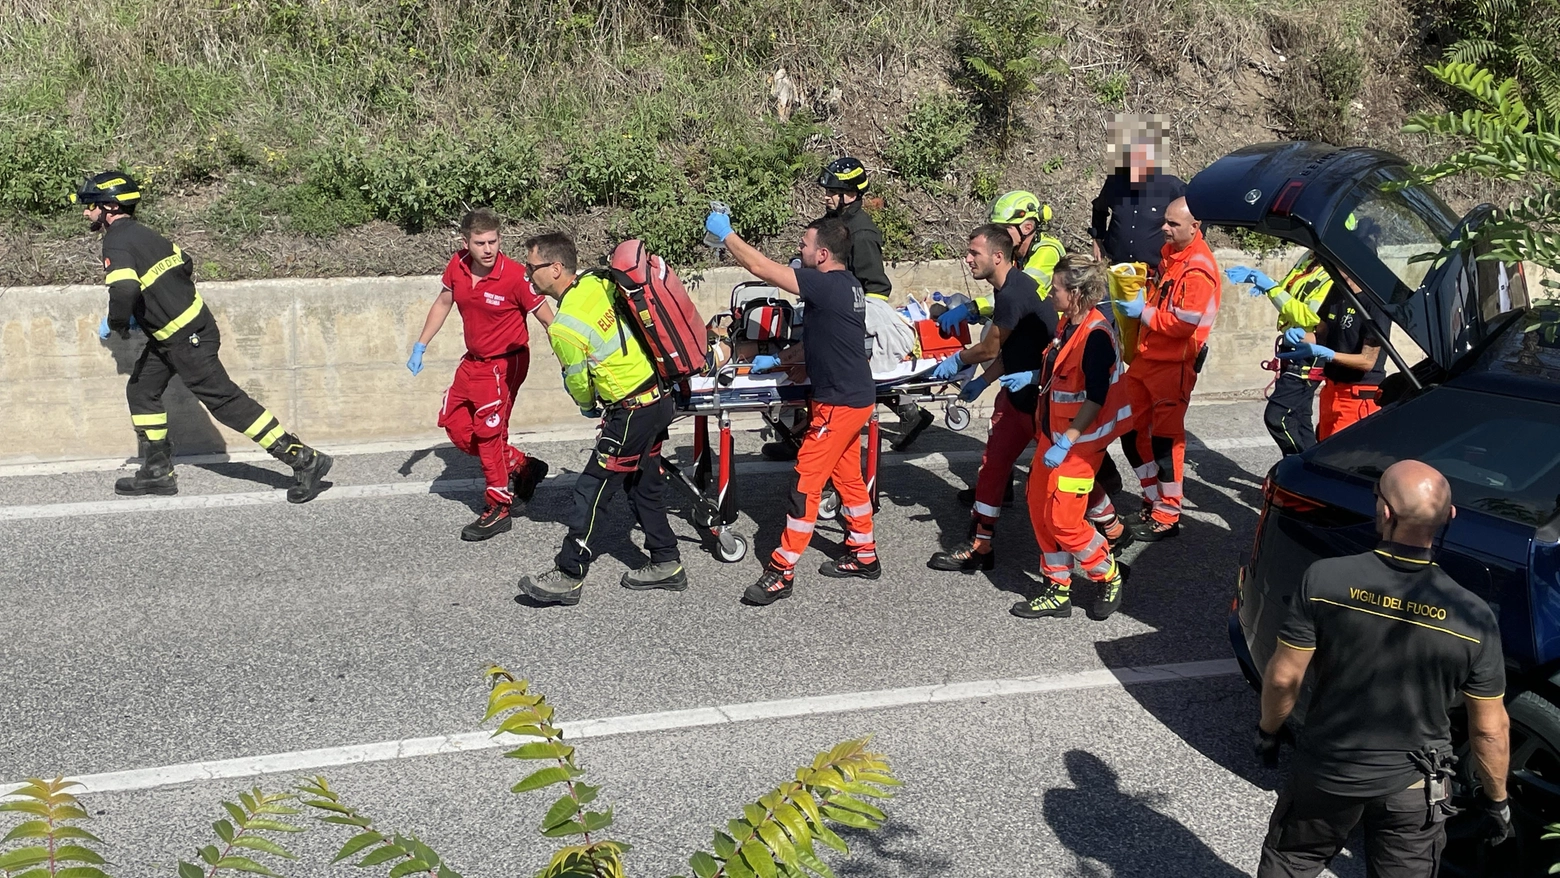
{"points": [[1179, 227], [813, 256], [982, 259], [483, 247], [1140, 161]]}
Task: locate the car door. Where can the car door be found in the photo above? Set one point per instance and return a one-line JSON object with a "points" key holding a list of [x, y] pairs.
{"points": [[1395, 244]]}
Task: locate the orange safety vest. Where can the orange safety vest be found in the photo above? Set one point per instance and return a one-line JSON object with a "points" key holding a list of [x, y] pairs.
{"points": [[1068, 391], [1184, 289]]}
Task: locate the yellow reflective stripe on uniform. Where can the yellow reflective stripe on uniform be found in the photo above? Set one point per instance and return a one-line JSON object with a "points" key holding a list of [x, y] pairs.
{"points": [[254, 429], [180, 321], [156, 420], [1283, 642], [1484, 697], [158, 434], [162, 267], [121, 274], [270, 438], [1074, 484]]}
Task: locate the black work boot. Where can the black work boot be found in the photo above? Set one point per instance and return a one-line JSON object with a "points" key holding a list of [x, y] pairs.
{"points": [[1053, 603], [155, 475], [493, 521], [781, 451], [963, 559], [848, 565], [1108, 600], [523, 481], [923, 419], [669, 575], [770, 587], [309, 467]]}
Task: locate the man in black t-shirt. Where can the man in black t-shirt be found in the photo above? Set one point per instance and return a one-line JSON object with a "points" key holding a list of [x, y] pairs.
{"points": [[1348, 344], [1129, 212], [1023, 325], [837, 353], [1391, 640]]}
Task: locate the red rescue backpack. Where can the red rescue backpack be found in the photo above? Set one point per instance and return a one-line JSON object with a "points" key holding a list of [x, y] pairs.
{"points": [[659, 310]]}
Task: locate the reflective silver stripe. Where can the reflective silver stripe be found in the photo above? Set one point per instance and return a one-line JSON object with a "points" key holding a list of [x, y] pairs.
{"points": [[1170, 489], [988, 511], [865, 509], [1122, 414], [1104, 510], [575, 369], [601, 348], [865, 539], [788, 557], [1062, 397], [1147, 471], [1056, 560], [796, 524], [1151, 493]]}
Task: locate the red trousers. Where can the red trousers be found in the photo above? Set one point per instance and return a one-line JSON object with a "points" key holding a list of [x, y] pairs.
{"points": [[831, 450], [1058, 502], [1010, 433], [476, 411], [1341, 406], [1160, 392]]}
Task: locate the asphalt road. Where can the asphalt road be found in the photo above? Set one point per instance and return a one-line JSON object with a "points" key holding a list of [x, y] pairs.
{"points": [[222, 625]]}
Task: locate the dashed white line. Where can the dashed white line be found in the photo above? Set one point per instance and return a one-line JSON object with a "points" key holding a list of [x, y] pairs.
{"points": [[306, 761]]}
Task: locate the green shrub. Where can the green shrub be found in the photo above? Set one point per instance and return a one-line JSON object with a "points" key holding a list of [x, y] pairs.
{"points": [[670, 220], [1111, 90], [986, 185], [39, 169], [1001, 48], [754, 172], [1510, 38], [614, 166], [898, 228], [931, 137]]}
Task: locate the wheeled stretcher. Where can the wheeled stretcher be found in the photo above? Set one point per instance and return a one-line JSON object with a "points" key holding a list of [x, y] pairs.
{"points": [[759, 322]]}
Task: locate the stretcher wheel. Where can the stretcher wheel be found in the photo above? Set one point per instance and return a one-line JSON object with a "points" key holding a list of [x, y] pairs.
{"points": [[730, 547], [829, 505], [957, 417]]}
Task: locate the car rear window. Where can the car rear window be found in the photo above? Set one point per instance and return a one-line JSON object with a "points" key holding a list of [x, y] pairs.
{"points": [[1501, 454]]}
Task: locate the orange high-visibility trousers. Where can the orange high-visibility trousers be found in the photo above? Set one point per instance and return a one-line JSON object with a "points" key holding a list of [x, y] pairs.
{"points": [[1058, 500], [1160, 392], [1345, 404], [831, 450]]}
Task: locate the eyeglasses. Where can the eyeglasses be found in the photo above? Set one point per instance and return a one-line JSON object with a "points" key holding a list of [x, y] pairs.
{"points": [[533, 269]]}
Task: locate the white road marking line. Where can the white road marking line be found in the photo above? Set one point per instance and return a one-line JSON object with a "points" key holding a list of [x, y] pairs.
{"points": [[307, 761], [928, 461]]}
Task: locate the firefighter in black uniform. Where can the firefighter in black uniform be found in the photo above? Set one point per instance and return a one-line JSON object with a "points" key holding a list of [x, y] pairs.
{"points": [[844, 182], [150, 284], [1391, 641]]}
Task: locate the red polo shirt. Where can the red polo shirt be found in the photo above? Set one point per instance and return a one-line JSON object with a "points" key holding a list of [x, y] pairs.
{"points": [[493, 308]]}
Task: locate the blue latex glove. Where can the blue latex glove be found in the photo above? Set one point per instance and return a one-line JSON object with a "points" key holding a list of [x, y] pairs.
{"points": [[950, 320], [103, 330], [973, 388], [764, 362], [1016, 381], [1132, 307], [1294, 335], [1260, 283], [1307, 350], [718, 224], [415, 362], [948, 368], [1057, 453], [594, 412]]}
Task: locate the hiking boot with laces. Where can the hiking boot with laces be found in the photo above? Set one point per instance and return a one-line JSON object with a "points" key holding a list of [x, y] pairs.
{"points": [[669, 575], [1154, 530], [553, 587], [964, 559], [523, 481], [847, 566], [1109, 598], [493, 521], [1054, 602], [770, 587]]}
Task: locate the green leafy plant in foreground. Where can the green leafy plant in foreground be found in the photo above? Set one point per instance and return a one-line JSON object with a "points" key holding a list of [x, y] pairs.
{"points": [[1501, 138], [773, 836]]}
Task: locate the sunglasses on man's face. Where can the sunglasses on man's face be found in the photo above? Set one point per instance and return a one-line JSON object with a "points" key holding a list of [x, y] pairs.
{"points": [[533, 269]]}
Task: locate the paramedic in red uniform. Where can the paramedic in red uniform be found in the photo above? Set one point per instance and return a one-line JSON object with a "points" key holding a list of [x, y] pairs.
{"points": [[1176, 318], [837, 353], [494, 297]]}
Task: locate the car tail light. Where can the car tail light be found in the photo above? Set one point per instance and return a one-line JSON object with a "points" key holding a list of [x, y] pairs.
{"points": [[1286, 499], [1285, 202]]}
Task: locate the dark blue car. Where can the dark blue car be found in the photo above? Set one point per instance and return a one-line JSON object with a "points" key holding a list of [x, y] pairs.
{"points": [[1479, 401]]}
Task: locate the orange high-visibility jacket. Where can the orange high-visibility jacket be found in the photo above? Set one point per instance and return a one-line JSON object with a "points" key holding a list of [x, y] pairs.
{"points": [[1183, 298], [1069, 391]]}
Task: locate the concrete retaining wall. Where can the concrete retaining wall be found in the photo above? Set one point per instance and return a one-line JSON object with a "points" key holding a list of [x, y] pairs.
{"points": [[327, 357]]}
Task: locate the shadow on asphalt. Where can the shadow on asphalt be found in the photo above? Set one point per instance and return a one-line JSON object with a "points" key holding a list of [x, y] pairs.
{"points": [[889, 851], [1197, 603], [190, 428], [1099, 821]]}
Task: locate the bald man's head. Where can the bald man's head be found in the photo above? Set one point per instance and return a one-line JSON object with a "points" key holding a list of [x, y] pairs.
{"points": [[1180, 227], [1414, 501]]}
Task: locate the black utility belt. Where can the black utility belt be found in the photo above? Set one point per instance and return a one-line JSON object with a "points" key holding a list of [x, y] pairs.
{"points": [[509, 353]]}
